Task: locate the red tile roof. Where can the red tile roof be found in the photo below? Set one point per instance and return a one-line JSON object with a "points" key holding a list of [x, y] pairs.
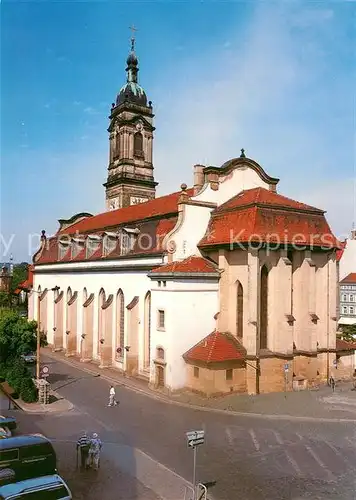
{"points": [[339, 253], [345, 345], [262, 216], [216, 347], [28, 283], [350, 278], [159, 207], [263, 197], [192, 264]]}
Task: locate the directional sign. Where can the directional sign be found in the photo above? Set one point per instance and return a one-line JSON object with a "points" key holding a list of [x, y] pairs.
{"points": [[286, 367], [195, 438]]}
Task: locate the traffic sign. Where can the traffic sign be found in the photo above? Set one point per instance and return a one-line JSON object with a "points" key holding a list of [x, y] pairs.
{"points": [[286, 367], [45, 369], [195, 438], [334, 362]]}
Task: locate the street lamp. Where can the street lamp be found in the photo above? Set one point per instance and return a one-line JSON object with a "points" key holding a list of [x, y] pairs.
{"points": [[54, 289]]}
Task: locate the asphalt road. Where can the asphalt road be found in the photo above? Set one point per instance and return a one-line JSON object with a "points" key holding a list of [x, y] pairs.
{"points": [[249, 458]]}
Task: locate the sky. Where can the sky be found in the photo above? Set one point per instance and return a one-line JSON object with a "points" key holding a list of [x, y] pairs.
{"points": [[275, 78]]}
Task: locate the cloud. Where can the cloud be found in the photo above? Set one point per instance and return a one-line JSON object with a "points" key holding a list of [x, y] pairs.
{"points": [[90, 111], [269, 93]]}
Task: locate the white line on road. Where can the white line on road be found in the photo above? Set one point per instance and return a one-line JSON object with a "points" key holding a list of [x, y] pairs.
{"points": [[293, 463], [254, 439], [278, 437], [229, 436], [335, 450], [320, 463]]}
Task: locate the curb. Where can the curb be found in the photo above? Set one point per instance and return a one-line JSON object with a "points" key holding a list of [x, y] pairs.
{"points": [[204, 408]]}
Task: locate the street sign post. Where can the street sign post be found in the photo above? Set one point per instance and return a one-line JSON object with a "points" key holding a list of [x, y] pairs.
{"points": [[194, 439], [286, 369]]}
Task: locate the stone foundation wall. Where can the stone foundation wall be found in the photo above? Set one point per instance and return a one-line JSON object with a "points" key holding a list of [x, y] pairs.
{"points": [[345, 367], [306, 367], [272, 377]]}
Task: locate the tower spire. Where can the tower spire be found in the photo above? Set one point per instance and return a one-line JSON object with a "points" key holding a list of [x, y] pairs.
{"points": [[133, 29]]}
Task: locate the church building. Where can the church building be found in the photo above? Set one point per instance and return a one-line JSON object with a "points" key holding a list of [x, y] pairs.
{"points": [[223, 286]]}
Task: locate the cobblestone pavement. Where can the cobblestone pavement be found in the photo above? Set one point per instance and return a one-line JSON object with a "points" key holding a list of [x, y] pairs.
{"points": [[251, 458]]}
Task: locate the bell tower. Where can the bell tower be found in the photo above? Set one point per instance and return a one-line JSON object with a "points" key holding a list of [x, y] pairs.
{"points": [[130, 172]]}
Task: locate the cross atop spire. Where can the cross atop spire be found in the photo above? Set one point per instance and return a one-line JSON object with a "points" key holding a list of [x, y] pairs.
{"points": [[133, 29]]}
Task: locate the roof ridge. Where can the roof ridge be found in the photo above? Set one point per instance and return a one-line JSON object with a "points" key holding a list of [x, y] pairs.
{"points": [[215, 333]]}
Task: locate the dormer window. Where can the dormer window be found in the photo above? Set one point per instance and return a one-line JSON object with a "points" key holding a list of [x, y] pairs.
{"points": [[109, 243], [93, 244], [128, 238], [77, 246], [63, 247]]}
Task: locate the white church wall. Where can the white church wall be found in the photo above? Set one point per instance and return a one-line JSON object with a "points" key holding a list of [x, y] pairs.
{"points": [[191, 231], [347, 262], [190, 308], [230, 185], [131, 283]]}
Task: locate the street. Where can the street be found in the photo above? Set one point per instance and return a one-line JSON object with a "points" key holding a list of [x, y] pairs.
{"points": [[248, 457]]}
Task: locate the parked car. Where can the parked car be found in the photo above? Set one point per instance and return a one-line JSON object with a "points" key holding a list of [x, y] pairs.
{"points": [[29, 357], [50, 487], [29, 456], [7, 425]]}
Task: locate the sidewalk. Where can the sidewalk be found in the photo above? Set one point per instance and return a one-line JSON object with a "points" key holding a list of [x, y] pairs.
{"points": [[303, 405]]}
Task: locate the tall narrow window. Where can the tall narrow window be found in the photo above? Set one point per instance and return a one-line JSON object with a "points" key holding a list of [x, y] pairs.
{"points": [[138, 144], [239, 310], [147, 338], [120, 324], [263, 308]]}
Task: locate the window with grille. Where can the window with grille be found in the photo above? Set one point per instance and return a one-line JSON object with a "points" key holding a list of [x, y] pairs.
{"points": [[352, 310], [161, 319], [109, 245]]}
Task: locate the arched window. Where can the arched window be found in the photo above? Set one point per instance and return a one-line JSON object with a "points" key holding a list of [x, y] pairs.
{"points": [[160, 353], [264, 308], [69, 293], [239, 310], [138, 144], [147, 328], [120, 324]]}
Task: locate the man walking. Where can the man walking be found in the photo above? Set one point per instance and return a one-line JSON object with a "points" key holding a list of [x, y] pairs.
{"points": [[94, 451], [83, 444], [112, 400], [332, 383]]}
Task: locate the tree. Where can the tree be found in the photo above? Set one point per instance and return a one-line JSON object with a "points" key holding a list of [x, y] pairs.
{"points": [[19, 275], [4, 299], [349, 332], [17, 336]]}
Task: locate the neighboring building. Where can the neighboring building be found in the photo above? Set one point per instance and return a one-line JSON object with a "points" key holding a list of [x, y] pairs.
{"points": [[347, 256], [214, 288], [5, 279], [348, 300]]}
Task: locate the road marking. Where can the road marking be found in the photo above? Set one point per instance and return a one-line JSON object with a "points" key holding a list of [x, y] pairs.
{"points": [[293, 463], [320, 463], [278, 437], [335, 450], [298, 435], [229, 436], [349, 441], [254, 439]]}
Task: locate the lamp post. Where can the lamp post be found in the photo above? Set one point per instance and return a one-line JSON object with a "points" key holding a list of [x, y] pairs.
{"points": [[54, 289]]}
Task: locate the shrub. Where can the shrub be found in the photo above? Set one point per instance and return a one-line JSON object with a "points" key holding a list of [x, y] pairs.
{"points": [[28, 390], [16, 374]]}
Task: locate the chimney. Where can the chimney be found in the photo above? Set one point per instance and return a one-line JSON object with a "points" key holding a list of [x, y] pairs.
{"points": [[198, 178]]}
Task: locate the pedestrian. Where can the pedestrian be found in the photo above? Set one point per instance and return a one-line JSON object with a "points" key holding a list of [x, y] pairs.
{"points": [[354, 380], [332, 383], [94, 451], [83, 445], [112, 400]]}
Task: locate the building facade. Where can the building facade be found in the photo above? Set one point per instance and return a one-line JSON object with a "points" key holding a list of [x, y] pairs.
{"points": [[348, 300], [224, 286]]}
